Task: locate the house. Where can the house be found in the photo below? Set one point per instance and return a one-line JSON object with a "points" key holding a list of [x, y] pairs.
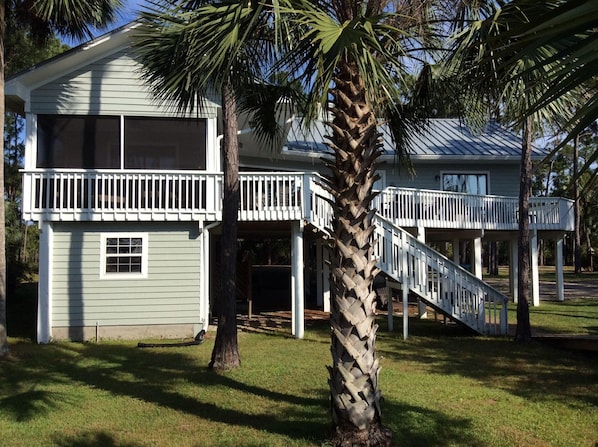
{"points": [[127, 195]]}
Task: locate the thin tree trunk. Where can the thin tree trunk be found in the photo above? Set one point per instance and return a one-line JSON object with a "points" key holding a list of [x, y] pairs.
{"points": [[3, 329], [523, 333], [576, 214], [354, 391], [225, 354]]}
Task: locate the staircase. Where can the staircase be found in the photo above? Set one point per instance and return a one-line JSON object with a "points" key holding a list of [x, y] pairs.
{"points": [[439, 282]]}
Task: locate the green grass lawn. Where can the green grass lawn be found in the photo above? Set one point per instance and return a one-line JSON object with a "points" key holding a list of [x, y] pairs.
{"points": [[441, 387], [572, 316]]}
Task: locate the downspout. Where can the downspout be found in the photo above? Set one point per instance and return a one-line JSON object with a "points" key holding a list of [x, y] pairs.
{"points": [[205, 272]]}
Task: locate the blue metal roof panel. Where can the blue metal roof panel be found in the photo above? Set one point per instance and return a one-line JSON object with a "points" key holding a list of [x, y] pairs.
{"points": [[441, 138]]}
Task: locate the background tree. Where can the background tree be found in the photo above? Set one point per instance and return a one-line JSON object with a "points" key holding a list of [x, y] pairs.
{"points": [[562, 181], [21, 52], [43, 18], [514, 83]]}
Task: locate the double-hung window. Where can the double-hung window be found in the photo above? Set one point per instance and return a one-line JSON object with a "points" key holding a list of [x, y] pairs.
{"points": [[123, 255]]}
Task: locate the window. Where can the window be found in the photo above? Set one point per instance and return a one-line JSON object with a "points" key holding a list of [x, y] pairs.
{"points": [[165, 143], [470, 183], [124, 255], [94, 142], [78, 141]]}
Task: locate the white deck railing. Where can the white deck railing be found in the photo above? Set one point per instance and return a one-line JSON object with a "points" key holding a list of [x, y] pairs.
{"points": [[408, 207], [70, 194], [141, 195]]}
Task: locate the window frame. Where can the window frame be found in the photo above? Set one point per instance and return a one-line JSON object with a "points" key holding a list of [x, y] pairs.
{"points": [[50, 157], [174, 146], [104, 255], [461, 172]]}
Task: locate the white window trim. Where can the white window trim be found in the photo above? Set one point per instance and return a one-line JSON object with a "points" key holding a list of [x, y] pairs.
{"points": [[462, 172], [144, 256]]}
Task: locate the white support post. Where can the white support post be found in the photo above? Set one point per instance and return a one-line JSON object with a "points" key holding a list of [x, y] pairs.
{"points": [[560, 287], [326, 278], [422, 308], [405, 284], [297, 278], [405, 293], [476, 257], [390, 309], [534, 267], [319, 273], [322, 275], [44, 306], [204, 286], [514, 269], [30, 158], [213, 162]]}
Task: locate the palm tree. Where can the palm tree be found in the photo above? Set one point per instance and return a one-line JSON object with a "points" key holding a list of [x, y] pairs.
{"points": [[515, 83], [352, 59], [183, 61], [77, 18], [355, 61], [570, 27]]}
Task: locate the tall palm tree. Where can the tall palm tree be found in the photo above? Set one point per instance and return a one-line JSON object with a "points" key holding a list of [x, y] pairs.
{"points": [[515, 83], [354, 59], [76, 18], [183, 61]]}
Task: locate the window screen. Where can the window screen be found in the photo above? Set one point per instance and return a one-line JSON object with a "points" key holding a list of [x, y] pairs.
{"points": [[73, 141], [165, 143]]}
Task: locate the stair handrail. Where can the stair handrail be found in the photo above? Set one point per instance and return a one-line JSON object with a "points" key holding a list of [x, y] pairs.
{"points": [[426, 272]]}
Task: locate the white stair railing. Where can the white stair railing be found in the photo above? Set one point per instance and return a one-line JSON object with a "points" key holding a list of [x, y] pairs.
{"points": [[437, 280]]}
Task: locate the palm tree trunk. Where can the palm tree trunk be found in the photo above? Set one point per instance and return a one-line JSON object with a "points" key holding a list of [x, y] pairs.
{"points": [[523, 333], [354, 373], [225, 354], [3, 329]]}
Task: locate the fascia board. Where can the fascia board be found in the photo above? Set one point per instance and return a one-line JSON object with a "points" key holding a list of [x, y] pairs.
{"points": [[462, 158]]}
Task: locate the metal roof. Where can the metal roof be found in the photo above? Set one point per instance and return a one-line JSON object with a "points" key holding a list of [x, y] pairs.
{"points": [[440, 138]]}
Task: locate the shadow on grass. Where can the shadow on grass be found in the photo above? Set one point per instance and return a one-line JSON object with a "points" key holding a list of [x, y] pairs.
{"points": [[152, 376], [536, 371], [416, 426], [92, 439], [30, 403]]}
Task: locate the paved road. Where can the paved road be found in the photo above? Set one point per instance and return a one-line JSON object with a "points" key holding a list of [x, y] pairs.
{"points": [[586, 289]]}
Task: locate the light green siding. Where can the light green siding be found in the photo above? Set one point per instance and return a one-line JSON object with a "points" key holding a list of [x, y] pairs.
{"points": [[503, 178], [108, 86], [169, 294]]}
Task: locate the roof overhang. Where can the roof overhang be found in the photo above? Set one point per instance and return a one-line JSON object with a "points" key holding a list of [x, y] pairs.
{"points": [[18, 87]]}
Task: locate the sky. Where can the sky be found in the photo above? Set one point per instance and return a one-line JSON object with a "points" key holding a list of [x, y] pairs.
{"points": [[128, 14]]}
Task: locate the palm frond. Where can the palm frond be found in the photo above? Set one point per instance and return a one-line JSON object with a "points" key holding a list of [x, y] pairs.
{"points": [[76, 18]]}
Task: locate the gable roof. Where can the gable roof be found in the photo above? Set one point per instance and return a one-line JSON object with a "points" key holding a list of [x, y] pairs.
{"points": [[18, 86], [448, 138]]}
